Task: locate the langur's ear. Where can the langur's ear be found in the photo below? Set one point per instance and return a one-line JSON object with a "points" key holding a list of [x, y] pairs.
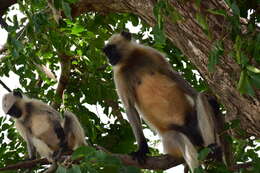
{"points": [[126, 35]]}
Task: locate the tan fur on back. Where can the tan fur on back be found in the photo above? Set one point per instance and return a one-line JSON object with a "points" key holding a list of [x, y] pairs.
{"points": [[161, 101]]}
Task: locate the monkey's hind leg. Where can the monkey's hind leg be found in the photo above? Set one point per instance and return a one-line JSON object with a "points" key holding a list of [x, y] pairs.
{"points": [[178, 145], [73, 130]]}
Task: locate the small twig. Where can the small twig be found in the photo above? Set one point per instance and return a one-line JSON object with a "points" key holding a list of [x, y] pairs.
{"points": [[6, 87]]}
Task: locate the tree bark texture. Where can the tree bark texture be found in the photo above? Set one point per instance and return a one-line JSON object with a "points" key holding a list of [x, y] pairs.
{"points": [[189, 37]]}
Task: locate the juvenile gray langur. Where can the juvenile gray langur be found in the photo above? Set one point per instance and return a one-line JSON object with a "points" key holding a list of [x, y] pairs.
{"points": [[42, 127], [148, 87]]}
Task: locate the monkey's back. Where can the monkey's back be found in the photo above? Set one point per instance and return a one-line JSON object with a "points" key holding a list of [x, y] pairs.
{"points": [[161, 101]]}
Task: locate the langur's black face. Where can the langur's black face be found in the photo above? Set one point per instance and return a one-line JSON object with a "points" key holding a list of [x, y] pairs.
{"points": [[15, 111], [111, 50], [11, 99], [112, 53]]}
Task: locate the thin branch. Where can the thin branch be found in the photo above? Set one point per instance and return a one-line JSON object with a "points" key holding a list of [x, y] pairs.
{"points": [[45, 70], [65, 62], [5, 86], [115, 110]]}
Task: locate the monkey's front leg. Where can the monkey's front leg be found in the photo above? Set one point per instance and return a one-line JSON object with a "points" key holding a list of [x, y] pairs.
{"points": [[136, 125], [31, 149]]}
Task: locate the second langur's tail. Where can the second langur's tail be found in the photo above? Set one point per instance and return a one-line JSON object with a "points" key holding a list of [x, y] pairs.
{"points": [[73, 130]]}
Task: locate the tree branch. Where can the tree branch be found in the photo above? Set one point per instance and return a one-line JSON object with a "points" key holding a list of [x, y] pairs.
{"points": [[25, 164], [45, 70], [154, 163], [5, 86], [161, 162], [65, 62]]}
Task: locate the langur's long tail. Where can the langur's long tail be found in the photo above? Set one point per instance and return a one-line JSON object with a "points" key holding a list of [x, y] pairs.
{"points": [[208, 126], [73, 130]]}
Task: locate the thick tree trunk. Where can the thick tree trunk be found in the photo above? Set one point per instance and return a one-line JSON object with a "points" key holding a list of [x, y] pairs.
{"points": [[188, 35]]}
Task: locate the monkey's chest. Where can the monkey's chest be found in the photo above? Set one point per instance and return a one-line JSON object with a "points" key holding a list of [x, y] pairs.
{"points": [[161, 102], [43, 129]]}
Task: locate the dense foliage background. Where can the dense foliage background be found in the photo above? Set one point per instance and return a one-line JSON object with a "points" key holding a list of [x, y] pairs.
{"points": [[43, 39]]}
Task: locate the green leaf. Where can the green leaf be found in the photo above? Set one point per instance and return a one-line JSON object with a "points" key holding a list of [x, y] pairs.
{"points": [[175, 15], [61, 170], [204, 153], [243, 59], [198, 170], [76, 29], [216, 52], [202, 22], [237, 46], [74, 169], [82, 151], [218, 12], [110, 160], [5, 127], [58, 4], [67, 10], [71, 1], [235, 9], [255, 80], [131, 169], [159, 36], [244, 85], [253, 69], [134, 20], [197, 2]]}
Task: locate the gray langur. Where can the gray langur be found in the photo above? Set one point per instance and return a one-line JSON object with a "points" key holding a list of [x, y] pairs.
{"points": [[42, 127], [148, 87]]}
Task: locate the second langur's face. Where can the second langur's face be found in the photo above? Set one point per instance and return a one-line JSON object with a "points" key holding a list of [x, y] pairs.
{"points": [[10, 104], [115, 46]]}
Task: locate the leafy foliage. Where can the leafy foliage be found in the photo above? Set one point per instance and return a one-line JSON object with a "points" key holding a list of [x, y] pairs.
{"points": [[246, 50]]}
